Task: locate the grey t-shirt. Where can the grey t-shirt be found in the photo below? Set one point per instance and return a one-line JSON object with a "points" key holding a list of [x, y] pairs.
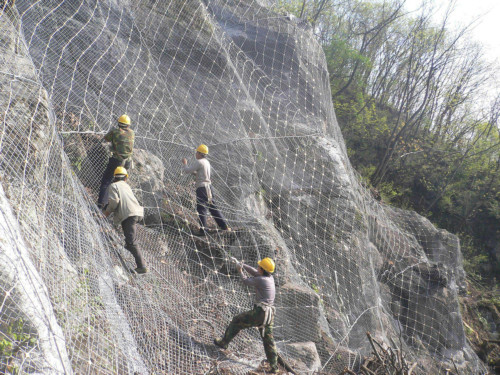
{"points": [[265, 290], [201, 169]]}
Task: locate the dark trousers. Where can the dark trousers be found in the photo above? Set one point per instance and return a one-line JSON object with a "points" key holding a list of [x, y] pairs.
{"points": [[129, 230], [254, 318], [107, 179], [202, 206]]}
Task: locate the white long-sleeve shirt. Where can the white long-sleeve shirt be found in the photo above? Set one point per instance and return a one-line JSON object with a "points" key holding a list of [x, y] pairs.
{"points": [[201, 169]]}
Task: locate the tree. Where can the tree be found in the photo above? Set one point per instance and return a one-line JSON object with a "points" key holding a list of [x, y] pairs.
{"points": [[405, 90]]}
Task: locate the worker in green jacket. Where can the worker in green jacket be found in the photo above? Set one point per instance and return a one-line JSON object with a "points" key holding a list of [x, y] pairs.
{"points": [[262, 314], [127, 211], [122, 145]]}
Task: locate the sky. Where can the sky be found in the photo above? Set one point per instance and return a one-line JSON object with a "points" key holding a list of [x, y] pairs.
{"points": [[486, 30]]}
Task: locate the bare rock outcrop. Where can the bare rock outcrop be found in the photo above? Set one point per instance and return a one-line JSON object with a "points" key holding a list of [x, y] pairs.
{"points": [[253, 85]]}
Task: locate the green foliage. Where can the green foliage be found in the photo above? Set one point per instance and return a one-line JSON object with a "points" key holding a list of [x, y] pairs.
{"points": [[261, 193], [416, 134], [16, 336], [483, 321], [174, 221], [260, 156], [388, 192], [473, 263], [77, 163], [5, 347], [364, 127], [16, 330], [341, 58], [495, 300], [468, 330], [315, 288], [289, 6]]}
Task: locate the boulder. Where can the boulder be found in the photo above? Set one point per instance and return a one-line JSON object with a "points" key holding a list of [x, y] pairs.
{"points": [[146, 180], [300, 314], [305, 357]]}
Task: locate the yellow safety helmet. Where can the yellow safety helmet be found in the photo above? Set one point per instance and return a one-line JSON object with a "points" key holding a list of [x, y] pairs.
{"points": [[267, 264], [203, 149], [124, 119], [120, 171]]}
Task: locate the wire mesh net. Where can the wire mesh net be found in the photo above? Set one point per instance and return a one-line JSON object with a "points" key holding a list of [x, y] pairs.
{"points": [[252, 84]]}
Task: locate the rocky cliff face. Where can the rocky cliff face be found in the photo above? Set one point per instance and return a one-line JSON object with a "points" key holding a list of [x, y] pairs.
{"points": [[253, 85]]}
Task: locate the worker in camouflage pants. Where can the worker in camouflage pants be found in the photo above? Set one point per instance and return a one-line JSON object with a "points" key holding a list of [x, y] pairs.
{"points": [[262, 314], [122, 145]]}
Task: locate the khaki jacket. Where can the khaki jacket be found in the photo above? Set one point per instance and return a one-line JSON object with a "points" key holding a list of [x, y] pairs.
{"points": [[122, 202]]}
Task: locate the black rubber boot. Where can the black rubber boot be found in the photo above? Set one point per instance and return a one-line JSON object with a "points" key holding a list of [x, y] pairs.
{"points": [[220, 343]]}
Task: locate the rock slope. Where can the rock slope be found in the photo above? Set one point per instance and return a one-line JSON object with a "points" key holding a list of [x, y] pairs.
{"points": [[253, 85]]}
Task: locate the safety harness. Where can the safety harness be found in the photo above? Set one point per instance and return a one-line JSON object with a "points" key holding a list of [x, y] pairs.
{"points": [[269, 311], [209, 193]]}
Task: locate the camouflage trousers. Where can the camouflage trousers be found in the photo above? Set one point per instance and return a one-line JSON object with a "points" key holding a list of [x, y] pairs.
{"points": [[254, 318]]}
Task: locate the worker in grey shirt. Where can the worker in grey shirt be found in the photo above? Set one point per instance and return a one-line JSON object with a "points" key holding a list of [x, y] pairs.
{"points": [[200, 168], [262, 314], [127, 212]]}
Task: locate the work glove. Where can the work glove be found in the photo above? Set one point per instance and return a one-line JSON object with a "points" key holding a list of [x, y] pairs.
{"points": [[238, 264], [234, 260]]}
